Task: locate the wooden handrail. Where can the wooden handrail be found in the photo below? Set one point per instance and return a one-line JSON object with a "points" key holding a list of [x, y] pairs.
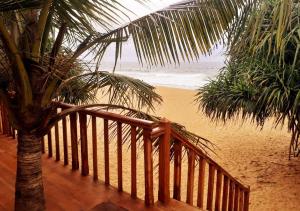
{"points": [[191, 146], [224, 192], [114, 117]]}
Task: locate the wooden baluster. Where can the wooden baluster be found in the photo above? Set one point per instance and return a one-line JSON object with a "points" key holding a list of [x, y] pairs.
{"points": [[231, 195], [13, 131], [43, 144], [164, 163], [218, 191], [236, 198], [57, 150], [74, 139], [1, 124], [106, 151], [177, 170], [201, 182], [210, 191], [225, 194], [190, 178], [49, 144], [65, 141], [133, 162], [246, 200], [9, 128], [95, 155], [241, 199], [119, 157], [5, 123], [148, 165], [84, 146]]}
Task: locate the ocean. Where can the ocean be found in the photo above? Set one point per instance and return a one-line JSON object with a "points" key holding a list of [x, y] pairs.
{"points": [[186, 75]]}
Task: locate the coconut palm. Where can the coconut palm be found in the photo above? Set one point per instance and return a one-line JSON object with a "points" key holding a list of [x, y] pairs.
{"points": [[262, 75], [43, 42]]}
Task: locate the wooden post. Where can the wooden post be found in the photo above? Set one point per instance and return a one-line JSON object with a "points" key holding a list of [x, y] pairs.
{"points": [[57, 150], [225, 194], [13, 131], [43, 144], [218, 191], [95, 155], [190, 178], [106, 151], [164, 163], [1, 117], [246, 200], [133, 162], [119, 156], [148, 165], [231, 195], [5, 124], [201, 182], [241, 200], [236, 198], [74, 139], [177, 170], [84, 145], [210, 191], [49, 144], [65, 141]]}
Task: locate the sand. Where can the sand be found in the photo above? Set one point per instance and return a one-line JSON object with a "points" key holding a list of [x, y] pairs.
{"points": [[258, 157]]}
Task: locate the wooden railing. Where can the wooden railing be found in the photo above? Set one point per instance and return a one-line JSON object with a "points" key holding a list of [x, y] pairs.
{"points": [[217, 189]]}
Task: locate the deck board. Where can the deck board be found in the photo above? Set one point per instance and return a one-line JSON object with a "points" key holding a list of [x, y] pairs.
{"points": [[66, 189]]}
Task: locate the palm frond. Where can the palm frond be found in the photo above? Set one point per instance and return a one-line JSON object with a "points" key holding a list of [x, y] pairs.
{"points": [[120, 90]]}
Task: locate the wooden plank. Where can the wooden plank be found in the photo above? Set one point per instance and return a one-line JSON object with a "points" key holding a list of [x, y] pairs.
{"points": [[148, 165], [164, 163], [218, 191], [246, 200], [177, 170], [133, 134], [210, 190], [190, 177], [106, 151], [43, 144], [74, 139], [236, 198], [225, 194], [49, 144], [241, 200], [201, 183], [57, 149], [84, 144], [95, 155], [65, 141], [119, 156], [231, 195]]}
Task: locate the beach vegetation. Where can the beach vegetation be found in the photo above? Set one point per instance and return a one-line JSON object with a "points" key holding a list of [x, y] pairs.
{"points": [[261, 78]]}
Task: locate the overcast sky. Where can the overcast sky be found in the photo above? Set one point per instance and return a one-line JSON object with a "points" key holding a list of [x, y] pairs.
{"points": [[128, 51]]}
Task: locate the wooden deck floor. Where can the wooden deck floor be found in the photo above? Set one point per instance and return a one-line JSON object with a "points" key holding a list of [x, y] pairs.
{"points": [[65, 189]]}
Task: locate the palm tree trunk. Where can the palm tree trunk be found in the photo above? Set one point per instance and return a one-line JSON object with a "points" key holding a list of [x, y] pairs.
{"points": [[29, 184]]}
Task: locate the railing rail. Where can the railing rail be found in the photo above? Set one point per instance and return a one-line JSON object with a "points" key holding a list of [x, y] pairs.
{"points": [[222, 191]]}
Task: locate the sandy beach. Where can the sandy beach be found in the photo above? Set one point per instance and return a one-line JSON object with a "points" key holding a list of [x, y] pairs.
{"points": [[258, 157]]}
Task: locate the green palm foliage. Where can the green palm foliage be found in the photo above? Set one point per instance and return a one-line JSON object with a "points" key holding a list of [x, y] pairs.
{"points": [[262, 76]]}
